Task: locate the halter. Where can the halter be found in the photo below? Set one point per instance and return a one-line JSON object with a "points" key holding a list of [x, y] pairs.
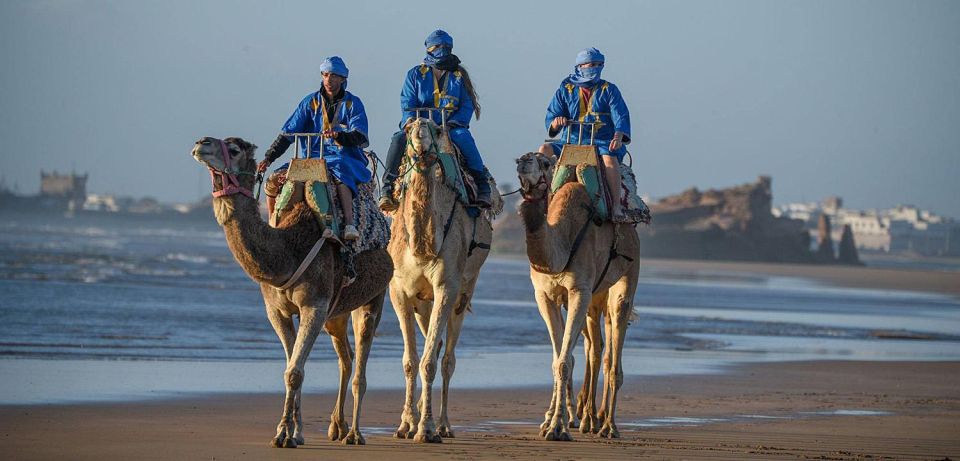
{"points": [[231, 185], [540, 182], [415, 158]]}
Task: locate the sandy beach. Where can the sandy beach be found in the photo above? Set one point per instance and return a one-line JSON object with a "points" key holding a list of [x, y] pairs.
{"points": [[834, 409], [803, 410]]}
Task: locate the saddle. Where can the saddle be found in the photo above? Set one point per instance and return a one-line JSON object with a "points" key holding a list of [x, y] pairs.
{"points": [[309, 181], [581, 163], [454, 170]]}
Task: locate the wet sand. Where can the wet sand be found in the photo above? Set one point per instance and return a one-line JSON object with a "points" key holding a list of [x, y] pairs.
{"points": [[845, 276], [803, 410]]}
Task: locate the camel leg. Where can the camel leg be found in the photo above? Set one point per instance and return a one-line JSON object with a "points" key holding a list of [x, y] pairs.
{"points": [[602, 411], [365, 321], [337, 328], [619, 307], [446, 294], [311, 323], [448, 365], [550, 312], [283, 326], [410, 415], [584, 388], [590, 423], [577, 306]]}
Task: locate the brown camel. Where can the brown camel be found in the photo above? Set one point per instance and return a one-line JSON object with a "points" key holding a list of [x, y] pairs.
{"points": [[436, 264], [593, 278], [270, 256]]}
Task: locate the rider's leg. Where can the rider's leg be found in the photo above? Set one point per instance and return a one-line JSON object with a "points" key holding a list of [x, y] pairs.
{"points": [[272, 189], [547, 149], [468, 147], [394, 156], [612, 173], [346, 204]]}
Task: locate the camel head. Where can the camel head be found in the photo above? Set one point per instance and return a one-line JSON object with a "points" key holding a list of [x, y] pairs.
{"points": [[423, 135], [230, 161], [535, 171]]}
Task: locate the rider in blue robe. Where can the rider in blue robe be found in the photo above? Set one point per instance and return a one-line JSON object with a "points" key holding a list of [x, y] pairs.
{"points": [[439, 82], [339, 115], [584, 97]]}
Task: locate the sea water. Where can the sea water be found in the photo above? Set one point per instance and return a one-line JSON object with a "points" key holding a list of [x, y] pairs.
{"points": [[103, 307]]}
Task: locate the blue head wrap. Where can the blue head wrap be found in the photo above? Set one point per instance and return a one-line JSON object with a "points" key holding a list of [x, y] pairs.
{"points": [[335, 65], [586, 76], [438, 37], [444, 43]]}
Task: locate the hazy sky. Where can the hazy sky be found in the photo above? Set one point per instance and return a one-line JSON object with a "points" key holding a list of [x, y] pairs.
{"points": [[859, 99]]}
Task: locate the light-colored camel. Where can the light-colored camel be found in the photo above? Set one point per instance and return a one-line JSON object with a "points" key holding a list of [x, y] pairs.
{"points": [[595, 278], [270, 256], [436, 264]]}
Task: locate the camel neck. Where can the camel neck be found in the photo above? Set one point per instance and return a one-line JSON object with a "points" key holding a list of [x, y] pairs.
{"points": [[260, 250]]}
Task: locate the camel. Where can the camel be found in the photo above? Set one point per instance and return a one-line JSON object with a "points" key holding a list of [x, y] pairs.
{"points": [[270, 256], [437, 251], [593, 279]]}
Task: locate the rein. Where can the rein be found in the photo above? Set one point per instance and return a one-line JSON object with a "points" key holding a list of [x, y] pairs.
{"points": [[231, 185]]}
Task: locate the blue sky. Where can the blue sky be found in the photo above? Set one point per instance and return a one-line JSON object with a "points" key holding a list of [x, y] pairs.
{"points": [[859, 99]]}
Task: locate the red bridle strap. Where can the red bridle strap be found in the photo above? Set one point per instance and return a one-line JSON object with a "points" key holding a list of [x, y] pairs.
{"points": [[231, 185]]}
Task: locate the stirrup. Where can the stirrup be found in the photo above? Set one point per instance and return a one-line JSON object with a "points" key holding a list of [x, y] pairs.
{"points": [[387, 203], [350, 232]]}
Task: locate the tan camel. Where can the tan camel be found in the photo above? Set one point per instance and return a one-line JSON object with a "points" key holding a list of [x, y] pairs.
{"points": [[436, 264], [270, 256], [593, 278]]}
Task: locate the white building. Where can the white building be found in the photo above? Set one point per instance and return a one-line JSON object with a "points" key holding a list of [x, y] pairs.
{"points": [[902, 229]]}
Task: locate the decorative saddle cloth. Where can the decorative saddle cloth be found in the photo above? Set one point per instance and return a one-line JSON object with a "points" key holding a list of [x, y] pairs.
{"points": [[581, 163], [455, 175], [307, 180]]}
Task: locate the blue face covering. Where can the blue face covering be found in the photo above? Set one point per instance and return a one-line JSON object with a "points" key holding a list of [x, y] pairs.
{"points": [[435, 56], [585, 76]]}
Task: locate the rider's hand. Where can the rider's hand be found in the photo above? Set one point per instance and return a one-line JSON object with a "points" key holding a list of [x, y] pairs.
{"points": [[617, 141], [328, 133], [263, 165], [559, 122]]}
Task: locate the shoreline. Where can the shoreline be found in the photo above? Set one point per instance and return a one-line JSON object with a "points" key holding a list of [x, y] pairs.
{"points": [[785, 410]]}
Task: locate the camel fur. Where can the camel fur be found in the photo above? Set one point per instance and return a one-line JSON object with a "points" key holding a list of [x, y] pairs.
{"points": [[270, 256], [434, 277], [564, 277]]}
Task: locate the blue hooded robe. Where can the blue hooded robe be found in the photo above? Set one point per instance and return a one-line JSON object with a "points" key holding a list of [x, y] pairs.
{"points": [[347, 164]]}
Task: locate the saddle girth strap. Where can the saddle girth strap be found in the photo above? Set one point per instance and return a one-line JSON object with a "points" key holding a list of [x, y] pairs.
{"points": [[580, 235]]}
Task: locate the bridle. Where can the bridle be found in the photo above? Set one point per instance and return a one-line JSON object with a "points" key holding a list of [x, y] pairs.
{"points": [[542, 181], [429, 157], [229, 182]]}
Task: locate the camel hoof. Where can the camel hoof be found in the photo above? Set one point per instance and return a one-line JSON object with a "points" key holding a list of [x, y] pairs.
{"points": [[337, 431], [557, 434], [427, 438], [609, 431], [445, 432], [574, 424], [299, 440], [354, 438], [405, 431], [282, 441]]}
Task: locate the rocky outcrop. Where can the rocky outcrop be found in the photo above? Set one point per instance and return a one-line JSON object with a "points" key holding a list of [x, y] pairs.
{"points": [[824, 241], [730, 224], [847, 253]]}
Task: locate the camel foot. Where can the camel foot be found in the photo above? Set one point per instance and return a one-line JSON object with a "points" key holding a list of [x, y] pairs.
{"points": [[445, 431], [337, 431], [299, 439], [406, 430], [354, 438], [589, 424], [427, 437], [609, 431], [558, 435], [282, 441], [574, 423]]}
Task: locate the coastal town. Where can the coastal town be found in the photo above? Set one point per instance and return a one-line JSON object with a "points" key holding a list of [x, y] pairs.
{"points": [[735, 223]]}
